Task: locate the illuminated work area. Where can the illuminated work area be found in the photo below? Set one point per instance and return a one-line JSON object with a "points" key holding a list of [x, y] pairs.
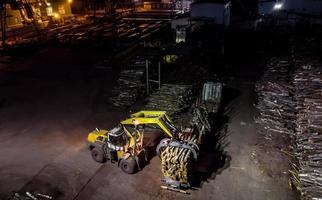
{"points": [[185, 99]]}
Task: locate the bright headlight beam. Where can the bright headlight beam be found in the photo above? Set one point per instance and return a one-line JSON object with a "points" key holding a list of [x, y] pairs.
{"points": [[278, 6]]}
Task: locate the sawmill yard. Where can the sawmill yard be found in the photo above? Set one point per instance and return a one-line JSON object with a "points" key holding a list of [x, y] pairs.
{"points": [[52, 94]]}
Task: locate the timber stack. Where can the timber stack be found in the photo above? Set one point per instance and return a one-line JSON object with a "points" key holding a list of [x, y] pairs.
{"points": [[308, 137], [172, 98], [290, 102], [129, 88], [179, 156], [275, 97]]}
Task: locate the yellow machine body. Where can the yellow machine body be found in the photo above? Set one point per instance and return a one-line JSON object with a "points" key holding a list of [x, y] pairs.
{"points": [[133, 135]]}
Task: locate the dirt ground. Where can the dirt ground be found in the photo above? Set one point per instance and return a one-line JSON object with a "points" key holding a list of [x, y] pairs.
{"points": [[53, 98]]}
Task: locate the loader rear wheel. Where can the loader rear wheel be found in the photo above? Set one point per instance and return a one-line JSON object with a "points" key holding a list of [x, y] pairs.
{"points": [[98, 155], [129, 165]]}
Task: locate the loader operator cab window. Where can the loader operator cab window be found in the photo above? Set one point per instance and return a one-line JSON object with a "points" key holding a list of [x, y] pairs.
{"points": [[131, 129], [118, 137], [119, 140]]}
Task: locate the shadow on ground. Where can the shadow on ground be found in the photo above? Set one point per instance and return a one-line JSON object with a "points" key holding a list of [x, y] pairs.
{"points": [[214, 158]]}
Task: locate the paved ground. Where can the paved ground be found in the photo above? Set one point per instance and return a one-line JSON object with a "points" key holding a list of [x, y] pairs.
{"points": [[245, 179], [51, 104]]}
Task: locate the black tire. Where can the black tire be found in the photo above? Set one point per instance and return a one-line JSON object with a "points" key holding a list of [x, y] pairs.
{"points": [[98, 155], [129, 165]]}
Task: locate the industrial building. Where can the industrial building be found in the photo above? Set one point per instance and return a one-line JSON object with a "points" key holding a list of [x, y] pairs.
{"points": [[292, 11], [43, 10], [216, 11], [309, 7]]}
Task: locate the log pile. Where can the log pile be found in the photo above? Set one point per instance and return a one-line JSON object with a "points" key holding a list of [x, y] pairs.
{"points": [[129, 88], [290, 102], [176, 162], [275, 99], [171, 98], [308, 137], [179, 154]]}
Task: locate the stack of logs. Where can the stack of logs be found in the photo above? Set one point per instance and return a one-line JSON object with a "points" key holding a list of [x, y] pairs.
{"points": [[290, 102], [171, 98], [176, 162], [275, 99], [308, 137], [129, 88]]}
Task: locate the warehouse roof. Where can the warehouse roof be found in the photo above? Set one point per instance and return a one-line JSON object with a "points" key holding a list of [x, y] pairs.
{"points": [[211, 1]]}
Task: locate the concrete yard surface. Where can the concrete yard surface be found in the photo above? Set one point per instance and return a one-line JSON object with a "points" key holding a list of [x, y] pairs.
{"points": [[53, 98]]}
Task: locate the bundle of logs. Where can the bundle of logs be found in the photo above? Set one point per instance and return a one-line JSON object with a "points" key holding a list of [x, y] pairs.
{"points": [[290, 102], [177, 162], [179, 156], [129, 88], [171, 98]]}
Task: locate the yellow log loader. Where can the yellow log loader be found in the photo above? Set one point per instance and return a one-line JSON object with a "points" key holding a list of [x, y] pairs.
{"points": [[178, 149], [125, 144]]}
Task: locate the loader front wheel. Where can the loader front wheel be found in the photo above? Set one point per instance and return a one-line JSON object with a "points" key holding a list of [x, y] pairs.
{"points": [[98, 155], [129, 165]]}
